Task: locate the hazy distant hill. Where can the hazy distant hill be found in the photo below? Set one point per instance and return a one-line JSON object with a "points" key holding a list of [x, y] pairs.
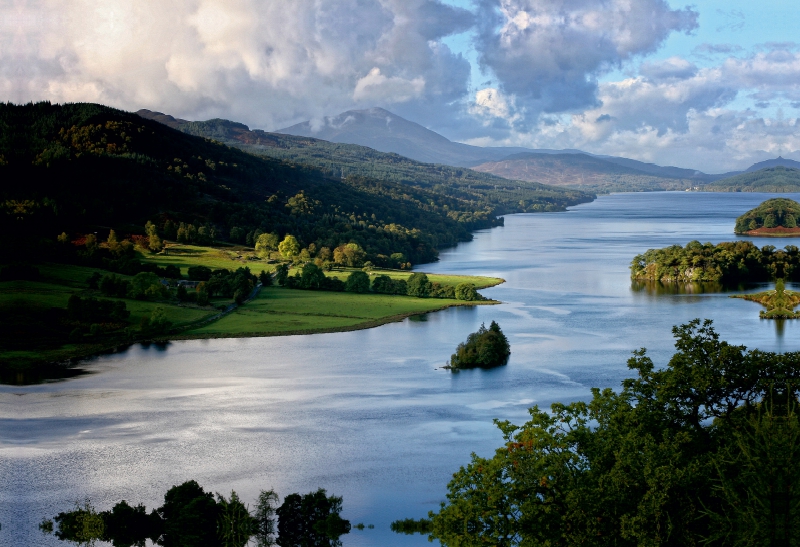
{"points": [[384, 131], [779, 161], [582, 171], [770, 179], [387, 132], [343, 161]]}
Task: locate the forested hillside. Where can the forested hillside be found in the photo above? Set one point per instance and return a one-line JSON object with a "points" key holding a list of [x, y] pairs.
{"points": [[582, 171], [339, 160], [770, 179], [81, 168]]}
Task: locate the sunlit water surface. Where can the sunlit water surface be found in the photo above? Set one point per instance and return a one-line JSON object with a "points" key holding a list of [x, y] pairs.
{"points": [[369, 415]]}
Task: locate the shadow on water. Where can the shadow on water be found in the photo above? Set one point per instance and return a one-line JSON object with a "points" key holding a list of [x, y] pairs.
{"points": [[61, 371], [41, 375]]}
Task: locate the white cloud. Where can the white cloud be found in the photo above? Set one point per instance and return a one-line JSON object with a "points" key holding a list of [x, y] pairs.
{"points": [[265, 63], [377, 88], [548, 53]]}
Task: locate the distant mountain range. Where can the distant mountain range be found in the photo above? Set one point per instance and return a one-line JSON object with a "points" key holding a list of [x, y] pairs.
{"points": [[387, 132], [351, 161], [383, 131]]}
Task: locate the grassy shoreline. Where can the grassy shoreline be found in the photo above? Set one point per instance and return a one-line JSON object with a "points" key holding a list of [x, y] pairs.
{"points": [[274, 311]]}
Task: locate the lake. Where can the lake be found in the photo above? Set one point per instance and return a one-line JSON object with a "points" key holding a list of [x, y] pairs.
{"points": [[370, 415]]}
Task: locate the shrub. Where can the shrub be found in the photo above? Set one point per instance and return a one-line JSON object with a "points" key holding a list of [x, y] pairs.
{"points": [[199, 273], [418, 285], [357, 282], [466, 291]]}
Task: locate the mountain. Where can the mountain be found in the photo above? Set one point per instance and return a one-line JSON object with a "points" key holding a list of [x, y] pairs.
{"points": [[779, 161], [660, 171], [345, 161], [83, 168], [777, 179], [583, 171], [387, 132], [380, 129]]}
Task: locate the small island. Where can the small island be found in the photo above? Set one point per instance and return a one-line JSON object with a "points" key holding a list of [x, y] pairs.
{"points": [[779, 302], [485, 348], [773, 218]]}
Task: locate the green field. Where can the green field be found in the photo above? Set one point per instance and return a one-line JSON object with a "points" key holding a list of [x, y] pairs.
{"points": [[183, 256], [275, 311], [280, 311], [231, 258]]}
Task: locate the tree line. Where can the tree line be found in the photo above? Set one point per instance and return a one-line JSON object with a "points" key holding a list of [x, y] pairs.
{"points": [[312, 277]]}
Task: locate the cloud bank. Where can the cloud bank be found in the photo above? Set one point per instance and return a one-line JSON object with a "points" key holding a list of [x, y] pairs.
{"points": [[272, 64]]}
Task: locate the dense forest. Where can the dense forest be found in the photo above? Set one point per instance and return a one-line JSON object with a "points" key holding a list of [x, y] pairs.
{"points": [[773, 213], [728, 262], [78, 168], [703, 451], [771, 179]]}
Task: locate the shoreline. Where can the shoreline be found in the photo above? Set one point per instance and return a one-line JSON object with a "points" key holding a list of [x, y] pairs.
{"points": [[60, 368]]}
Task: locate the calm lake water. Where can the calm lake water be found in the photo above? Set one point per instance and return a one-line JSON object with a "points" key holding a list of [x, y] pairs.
{"points": [[369, 415]]}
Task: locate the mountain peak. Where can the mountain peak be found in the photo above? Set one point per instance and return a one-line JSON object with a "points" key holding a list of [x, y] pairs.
{"points": [[777, 162]]}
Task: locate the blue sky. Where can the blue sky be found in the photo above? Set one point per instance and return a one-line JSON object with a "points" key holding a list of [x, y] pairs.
{"points": [[712, 86]]}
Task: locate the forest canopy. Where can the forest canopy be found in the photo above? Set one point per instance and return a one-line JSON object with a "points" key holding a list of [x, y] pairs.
{"points": [[727, 263], [773, 213]]}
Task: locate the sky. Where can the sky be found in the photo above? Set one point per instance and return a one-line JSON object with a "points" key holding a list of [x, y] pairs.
{"points": [[713, 86]]}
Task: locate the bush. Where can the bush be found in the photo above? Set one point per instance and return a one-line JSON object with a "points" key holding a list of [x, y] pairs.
{"points": [[418, 285], [147, 286], [442, 291], [466, 291], [92, 310], [199, 273], [312, 277], [281, 273], [357, 282], [265, 278], [383, 284], [485, 348]]}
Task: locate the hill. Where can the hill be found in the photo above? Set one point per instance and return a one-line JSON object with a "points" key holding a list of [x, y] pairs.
{"points": [[81, 168], [387, 132], [337, 160], [582, 171], [779, 161], [773, 217], [770, 179]]}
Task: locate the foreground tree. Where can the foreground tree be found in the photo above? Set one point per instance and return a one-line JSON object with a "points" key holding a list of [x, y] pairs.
{"points": [[703, 452]]}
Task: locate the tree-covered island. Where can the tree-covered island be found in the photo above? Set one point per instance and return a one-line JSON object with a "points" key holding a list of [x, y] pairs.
{"points": [[773, 218], [727, 263]]}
